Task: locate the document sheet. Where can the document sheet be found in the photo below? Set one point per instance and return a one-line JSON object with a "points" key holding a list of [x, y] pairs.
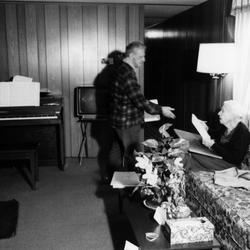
{"points": [[130, 246], [150, 118], [199, 127]]}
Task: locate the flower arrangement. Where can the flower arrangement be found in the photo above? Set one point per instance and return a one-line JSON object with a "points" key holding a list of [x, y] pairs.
{"points": [[163, 174]]}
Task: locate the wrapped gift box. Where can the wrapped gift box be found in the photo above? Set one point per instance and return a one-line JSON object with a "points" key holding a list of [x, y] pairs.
{"points": [[188, 230]]}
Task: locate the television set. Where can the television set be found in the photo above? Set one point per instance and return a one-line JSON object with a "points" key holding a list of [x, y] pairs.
{"points": [[91, 103]]}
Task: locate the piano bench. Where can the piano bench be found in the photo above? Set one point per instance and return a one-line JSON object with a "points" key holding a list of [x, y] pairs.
{"points": [[23, 152]]}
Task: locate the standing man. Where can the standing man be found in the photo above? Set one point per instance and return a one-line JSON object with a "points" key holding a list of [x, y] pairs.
{"points": [[128, 103]]}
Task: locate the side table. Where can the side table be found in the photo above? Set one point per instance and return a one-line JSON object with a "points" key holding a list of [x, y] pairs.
{"points": [[141, 221]]}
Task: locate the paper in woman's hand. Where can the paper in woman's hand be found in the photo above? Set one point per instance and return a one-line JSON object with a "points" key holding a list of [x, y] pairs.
{"points": [[198, 124]]}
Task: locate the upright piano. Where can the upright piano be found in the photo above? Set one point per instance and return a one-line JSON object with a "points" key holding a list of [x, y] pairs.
{"points": [[36, 124]]}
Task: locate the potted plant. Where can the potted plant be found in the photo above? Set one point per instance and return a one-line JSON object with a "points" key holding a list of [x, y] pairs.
{"points": [[163, 174]]}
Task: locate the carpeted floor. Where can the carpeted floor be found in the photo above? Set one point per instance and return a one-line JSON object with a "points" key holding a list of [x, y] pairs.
{"points": [[70, 210], [66, 212]]}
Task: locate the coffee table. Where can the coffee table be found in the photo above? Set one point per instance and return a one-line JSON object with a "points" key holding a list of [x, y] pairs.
{"points": [[141, 221]]}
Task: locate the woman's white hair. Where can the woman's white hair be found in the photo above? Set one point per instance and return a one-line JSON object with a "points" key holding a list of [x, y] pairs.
{"points": [[235, 109]]}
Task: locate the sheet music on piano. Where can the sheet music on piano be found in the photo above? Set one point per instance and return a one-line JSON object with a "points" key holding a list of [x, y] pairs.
{"points": [[19, 94], [18, 78]]}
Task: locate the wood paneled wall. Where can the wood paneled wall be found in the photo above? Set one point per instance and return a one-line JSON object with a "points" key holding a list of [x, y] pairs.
{"points": [[170, 69], [61, 46]]}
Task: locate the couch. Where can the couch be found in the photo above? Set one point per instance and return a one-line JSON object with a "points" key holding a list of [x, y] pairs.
{"points": [[227, 208]]}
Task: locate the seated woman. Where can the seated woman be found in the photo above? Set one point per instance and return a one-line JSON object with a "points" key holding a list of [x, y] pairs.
{"points": [[232, 139]]}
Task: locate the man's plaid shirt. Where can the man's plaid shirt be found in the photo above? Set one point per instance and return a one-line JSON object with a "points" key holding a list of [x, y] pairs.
{"points": [[127, 102]]}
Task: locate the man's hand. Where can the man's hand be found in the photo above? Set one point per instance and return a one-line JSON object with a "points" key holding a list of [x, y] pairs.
{"points": [[167, 111]]}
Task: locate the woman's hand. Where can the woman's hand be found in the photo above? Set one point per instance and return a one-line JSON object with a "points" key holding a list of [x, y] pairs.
{"points": [[204, 124], [208, 142]]}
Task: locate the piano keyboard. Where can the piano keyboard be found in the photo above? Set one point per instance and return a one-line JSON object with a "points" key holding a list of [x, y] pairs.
{"points": [[30, 113], [28, 118]]}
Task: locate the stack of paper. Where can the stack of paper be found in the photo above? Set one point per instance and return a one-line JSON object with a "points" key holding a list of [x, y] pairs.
{"points": [[150, 118], [18, 78], [124, 179]]}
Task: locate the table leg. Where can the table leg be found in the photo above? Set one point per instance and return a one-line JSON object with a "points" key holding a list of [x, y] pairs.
{"points": [[83, 141]]}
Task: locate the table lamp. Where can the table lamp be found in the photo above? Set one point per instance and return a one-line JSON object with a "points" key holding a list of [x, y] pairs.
{"points": [[216, 59]]}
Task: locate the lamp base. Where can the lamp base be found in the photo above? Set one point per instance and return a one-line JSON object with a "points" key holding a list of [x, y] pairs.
{"points": [[217, 75]]}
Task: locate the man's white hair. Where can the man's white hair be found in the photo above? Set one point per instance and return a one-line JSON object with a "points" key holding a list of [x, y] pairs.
{"points": [[235, 108]]}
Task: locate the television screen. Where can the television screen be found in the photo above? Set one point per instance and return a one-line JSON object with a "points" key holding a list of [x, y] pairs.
{"points": [[91, 102]]}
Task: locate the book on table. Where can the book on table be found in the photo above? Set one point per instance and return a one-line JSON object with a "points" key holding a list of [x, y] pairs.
{"points": [[124, 179], [195, 144]]}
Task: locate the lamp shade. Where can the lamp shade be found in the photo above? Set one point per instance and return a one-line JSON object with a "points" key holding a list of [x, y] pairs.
{"points": [[216, 58]]}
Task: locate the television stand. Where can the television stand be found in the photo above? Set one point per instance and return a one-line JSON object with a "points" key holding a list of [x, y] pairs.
{"points": [[83, 126]]}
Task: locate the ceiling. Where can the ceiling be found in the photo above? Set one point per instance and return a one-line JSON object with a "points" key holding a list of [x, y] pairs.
{"points": [[157, 13]]}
